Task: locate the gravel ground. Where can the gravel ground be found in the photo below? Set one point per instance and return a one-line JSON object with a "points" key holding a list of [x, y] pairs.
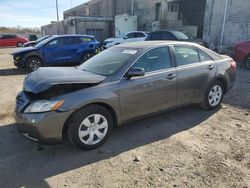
{"points": [[188, 147]]}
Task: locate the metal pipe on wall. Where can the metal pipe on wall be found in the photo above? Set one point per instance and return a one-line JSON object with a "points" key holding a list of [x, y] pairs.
{"points": [[224, 22]]}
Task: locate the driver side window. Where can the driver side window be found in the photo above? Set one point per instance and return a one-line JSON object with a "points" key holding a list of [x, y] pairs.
{"points": [[154, 60], [55, 43]]}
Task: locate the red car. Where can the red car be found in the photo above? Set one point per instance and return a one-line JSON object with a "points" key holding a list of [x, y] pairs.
{"points": [[242, 53], [12, 40]]}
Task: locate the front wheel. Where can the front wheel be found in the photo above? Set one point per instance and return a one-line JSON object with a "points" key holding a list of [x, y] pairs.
{"points": [[90, 127], [19, 44], [214, 96], [33, 63], [247, 62]]}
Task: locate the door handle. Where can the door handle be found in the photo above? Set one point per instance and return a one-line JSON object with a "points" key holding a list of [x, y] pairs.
{"points": [[211, 67], [171, 76]]}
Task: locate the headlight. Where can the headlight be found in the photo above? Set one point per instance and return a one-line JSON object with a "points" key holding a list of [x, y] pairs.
{"points": [[43, 106]]}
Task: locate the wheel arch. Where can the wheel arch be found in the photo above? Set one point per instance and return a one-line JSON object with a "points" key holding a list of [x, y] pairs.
{"points": [[105, 105], [223, 81]]}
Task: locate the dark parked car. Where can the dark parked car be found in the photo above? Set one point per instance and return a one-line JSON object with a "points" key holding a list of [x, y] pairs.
{"points": [[128, 81], [33, 43], [12, 40], [242, 53], [175, 36], [64, 50]]}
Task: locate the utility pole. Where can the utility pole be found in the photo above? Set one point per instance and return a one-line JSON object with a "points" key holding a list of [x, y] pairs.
{"points": [[57, 17], [132, 7], [224, 22]]}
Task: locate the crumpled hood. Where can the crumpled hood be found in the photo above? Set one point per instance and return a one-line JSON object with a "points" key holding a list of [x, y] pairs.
{"points": [[44, 78], [24, 50]]}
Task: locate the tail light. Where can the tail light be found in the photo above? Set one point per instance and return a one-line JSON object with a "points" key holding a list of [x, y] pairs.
{"points": [[233, 64]]}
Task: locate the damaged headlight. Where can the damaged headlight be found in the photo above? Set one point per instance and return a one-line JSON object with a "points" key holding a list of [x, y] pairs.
{"points": [[43, 106]]}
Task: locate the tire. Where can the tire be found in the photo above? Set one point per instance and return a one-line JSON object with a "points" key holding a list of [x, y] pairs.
{"points": [[213, 96], [19, 44], [33, 63], [86, 124], [247, 62], [86, 56]]}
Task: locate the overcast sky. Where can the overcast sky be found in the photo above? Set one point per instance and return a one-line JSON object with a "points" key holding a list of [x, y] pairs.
{"points": [[32, 13]]}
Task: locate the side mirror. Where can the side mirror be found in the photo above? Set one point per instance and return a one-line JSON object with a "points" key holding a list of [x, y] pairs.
{"points": [[135, 72], [126, 37]]}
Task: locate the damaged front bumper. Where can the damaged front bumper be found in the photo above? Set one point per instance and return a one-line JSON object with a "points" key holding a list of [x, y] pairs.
{"points": [[19, 62], [44, 127]]}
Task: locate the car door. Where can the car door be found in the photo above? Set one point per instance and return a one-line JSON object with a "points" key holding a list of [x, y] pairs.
{"points": [[7, 40], [139, 36], [153, 92], [195, 69], [54, 52], [71, 47]]}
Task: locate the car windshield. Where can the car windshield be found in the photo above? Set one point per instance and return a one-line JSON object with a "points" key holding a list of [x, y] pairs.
{"points": [[42, 38], [121, 35], [40, 44], [180, 35], [109, 61]]}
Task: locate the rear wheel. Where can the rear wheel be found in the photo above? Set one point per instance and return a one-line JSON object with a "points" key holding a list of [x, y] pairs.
{"points": [[214, 96], [19, 44], [90, 127], [86, 56], [33, 63], [247, 62]]}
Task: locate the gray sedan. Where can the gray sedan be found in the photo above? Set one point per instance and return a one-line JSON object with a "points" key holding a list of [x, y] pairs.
{"points": [[129, 81]]}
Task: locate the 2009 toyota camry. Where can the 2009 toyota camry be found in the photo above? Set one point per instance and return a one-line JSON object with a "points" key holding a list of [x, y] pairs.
{"points": [[83, 104]]}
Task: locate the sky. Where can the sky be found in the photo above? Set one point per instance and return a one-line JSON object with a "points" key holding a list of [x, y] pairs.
{"points": [[33, 13]]}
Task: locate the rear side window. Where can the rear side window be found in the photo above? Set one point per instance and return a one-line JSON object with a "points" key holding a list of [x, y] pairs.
{"points": [[204, 56], [55, 42], [154, 60], [186, 55], [72, 40], [87, 39]]}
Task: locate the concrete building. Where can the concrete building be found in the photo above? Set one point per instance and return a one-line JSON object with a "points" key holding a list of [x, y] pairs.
{"points": [[96, 17], [226, 22]]}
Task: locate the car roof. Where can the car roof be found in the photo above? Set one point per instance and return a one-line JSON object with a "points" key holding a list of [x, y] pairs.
{"points": [[73, 35], [149, 44]]}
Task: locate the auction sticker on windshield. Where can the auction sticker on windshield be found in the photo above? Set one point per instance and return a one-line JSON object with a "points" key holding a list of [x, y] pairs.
{"points": [[129, 52]]}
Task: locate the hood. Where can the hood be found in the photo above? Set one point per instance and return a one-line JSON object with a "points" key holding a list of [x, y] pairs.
{"points": [[110, 39], [44, 78], [30, 43], [24, 50]]}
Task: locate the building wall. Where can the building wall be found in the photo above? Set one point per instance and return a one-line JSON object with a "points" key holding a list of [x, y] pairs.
{"points": [[81, 26], [237, 25]]}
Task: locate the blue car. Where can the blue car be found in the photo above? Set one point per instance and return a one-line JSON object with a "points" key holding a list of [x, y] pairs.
{"points": [[63, 50]]}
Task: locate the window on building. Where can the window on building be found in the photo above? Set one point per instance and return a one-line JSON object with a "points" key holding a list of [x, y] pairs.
{"points": [[172, 7], [157, 11]]}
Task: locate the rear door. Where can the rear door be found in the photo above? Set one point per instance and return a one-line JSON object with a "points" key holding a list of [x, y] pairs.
{"points": [[54, 52], [153, 92], [195, 69]]}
